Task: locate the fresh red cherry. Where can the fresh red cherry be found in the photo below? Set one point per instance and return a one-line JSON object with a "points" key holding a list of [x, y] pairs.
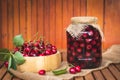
{"points": [[42, 72], [16, 49], [47, 52], [89, 47], [49, 46], [6, 64], [27, 49], [36, 44], [82, 45], [79, 50], [53, 47], [72, 70], [42, 55], [88, 54], [54, 51], [78, 68], [25, 55], [90, 33]]}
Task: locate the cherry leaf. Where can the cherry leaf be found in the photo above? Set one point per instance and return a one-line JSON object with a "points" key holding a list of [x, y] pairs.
{"points": [[18, 40]]}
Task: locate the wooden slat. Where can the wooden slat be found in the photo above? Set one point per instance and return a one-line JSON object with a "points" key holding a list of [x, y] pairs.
{"points": [[51, 19], [52, 22], [89, 77], [4, 33], [23, 27], [98, 75], [83, 7], [76, 8], [3, 71], [1, 64], [28, 12], [112, 18], [34, 17], [10, 24], [16, 17], [107, 74], [58, 30], [67, 14], [0, 22], [118, 66], [15, 78], [114, 71], [95, 9], [7, 76], [64, 55], [40, 17], [46, 20], [79, 78]]}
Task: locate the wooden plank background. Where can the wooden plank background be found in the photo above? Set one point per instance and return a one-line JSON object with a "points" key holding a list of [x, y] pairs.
{"points": [[51, 17]]}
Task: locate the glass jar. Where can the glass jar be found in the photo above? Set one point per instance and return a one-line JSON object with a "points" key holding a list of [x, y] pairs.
{"points": [[84, 42]]}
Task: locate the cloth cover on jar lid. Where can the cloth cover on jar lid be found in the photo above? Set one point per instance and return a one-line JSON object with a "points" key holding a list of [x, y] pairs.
{"points": [[80, 23]]}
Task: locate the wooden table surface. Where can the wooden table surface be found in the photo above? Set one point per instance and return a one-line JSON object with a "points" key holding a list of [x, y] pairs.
{"points": [[112, 72]]}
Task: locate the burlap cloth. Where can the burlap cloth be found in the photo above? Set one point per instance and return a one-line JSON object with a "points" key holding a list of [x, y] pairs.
{"points": [[111, 55]]}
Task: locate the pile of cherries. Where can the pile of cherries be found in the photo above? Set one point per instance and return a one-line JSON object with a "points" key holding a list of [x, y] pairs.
{"points": [[36, 48], [85, 50]]}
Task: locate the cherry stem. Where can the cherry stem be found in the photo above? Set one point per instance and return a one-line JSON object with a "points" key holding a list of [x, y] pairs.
{"points": [[35, 37], [71, 65]]}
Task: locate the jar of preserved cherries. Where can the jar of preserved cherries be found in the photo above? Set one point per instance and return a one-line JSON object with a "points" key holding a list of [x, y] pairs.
{"points": [[84, 42]]}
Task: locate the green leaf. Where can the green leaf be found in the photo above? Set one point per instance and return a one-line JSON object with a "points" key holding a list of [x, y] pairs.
{"points": [[13, 64], [4, 50], [19, 58], [4, 56], [18, 40], [10, 63]]}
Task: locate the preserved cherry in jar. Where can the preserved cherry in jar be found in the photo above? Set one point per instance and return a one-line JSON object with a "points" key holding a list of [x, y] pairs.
{"points": [[84, 43]]}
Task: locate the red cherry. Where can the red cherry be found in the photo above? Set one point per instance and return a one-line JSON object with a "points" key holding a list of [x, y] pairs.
{"points": [[79, 50], [82, 45], [25, 44], [74, 53], [25, 55], [85, 35], [6, 64], [36, 44], [72, 70], [42, 47], [76, 44], [27, 49], [16, 49], [89, 47], [94, 50], [42, 55], [49, 46], [88, 40], [71, 59], [36, 50], [93, 42], [47, 52], [80, 57], [42, 72], [88, 54], [72, 48], [78, 68], [53, 47], [90, 33], [54, 51]]}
